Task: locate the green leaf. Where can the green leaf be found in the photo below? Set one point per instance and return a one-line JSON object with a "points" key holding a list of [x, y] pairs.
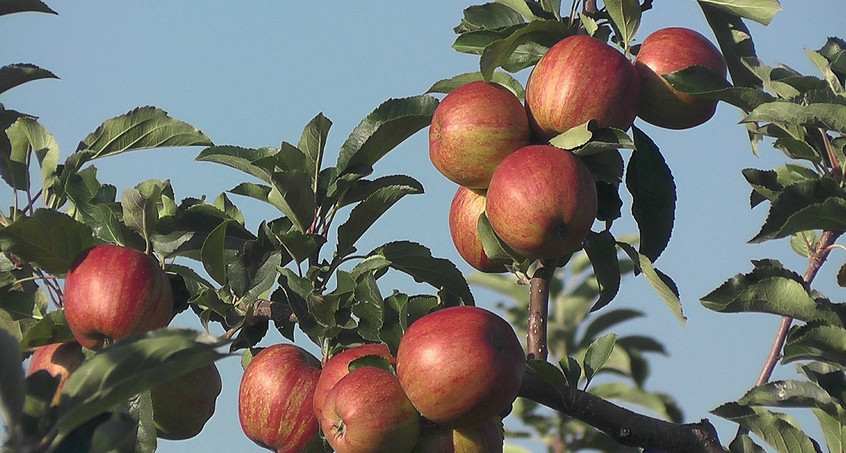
{"points": [[12, 385], [52, 328], [17, 74], [313, 144], [625, 14], [502, 78], [142, 204], [768, 184], [28, 135], [490, 16], [255, 162], [761, 11], [368, 211], [787, 393], [386, 127], [778, 430], [806, 205], [607, 320], [129, 367], [141, 128], [701, 81], [498, 53], [214, 254], [254, 270], [48, 238], [293, 196], [833, 425], [658, 403], [597, 354], [660, 282], [572, 370], [816, 341], [735, 42], [20, 6], [823, 115], [418, 262], [548, 372], [368, 308], [602, 251], [650, 181]]}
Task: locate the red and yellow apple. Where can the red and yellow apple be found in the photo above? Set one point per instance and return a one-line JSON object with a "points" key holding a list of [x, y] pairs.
{"points": [[473, 128], [338, 366], [114, 292], [182, 406], [467, 205], [485, 438], [58, 359]]}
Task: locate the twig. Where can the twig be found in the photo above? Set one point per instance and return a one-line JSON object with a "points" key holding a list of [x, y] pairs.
{"points": [[536, 341]]}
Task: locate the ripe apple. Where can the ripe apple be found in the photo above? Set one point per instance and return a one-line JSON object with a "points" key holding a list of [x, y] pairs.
{"points": [[367, 412], [58, 359], [485, 438], [473, 128], [275, 399], [669, 50], [578, 79], [113, 292], [460, 366], [542, 202], [467, 205], [182, 406], [338, 366]]}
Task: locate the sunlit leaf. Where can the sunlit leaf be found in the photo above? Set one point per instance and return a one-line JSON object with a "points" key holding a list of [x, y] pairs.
{"points": [[546, 33], [816, 341], [660, 282], [52, 328], [735, 42], [313, 144], [828, 116], [701, 81], [761, 11], [805, 205], [790, 393], [778, 430], [502, 78], [625, 14], [598, 352], [48, 238], [29, 134], [214, 254], [292, 194], [489, 16], [253, 161]]}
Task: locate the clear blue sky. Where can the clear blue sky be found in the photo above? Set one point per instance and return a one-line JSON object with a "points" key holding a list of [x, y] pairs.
{"points": [[254, 73]]}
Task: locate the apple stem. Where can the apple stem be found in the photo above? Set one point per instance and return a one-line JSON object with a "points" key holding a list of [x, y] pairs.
{"points": [[536, 341]]}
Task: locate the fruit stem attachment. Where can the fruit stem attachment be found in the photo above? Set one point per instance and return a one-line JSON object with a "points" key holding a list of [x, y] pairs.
{"points": [[536, 341]]}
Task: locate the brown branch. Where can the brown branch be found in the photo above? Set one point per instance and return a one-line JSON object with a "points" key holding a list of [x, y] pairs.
{"points": [[536, 341], [622, 425]]}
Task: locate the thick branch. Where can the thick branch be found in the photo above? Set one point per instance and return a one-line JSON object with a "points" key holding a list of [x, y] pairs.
{"points": [[622, 425], [536, 341]]}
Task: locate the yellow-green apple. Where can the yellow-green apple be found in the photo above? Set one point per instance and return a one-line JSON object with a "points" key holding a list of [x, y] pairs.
{"points": [[368, 412], [485, 438], [467, 205], [669, 50], [58, 359], [542, 202], [114, 292], [275, 400], [183, 405], [473, 128], [578, 79], [460, 366], [338, 366]]}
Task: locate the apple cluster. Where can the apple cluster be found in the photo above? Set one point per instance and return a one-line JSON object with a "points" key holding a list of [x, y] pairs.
{"points": [[540, 200], [111, 293], [456, 372]]}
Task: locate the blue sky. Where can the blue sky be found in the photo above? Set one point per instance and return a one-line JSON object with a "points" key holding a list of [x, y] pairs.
{"points": [[254, 73]]}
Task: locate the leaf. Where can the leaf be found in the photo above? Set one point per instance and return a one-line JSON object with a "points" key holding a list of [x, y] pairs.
{"points": [[790, 393], [253, 161], [418, 262], [607, 320], [141, 128], [650, 181], [597, 354], [816, 341], [254, 269], [658, 403], [660, 282], [129, 367], [20, 6], [602, 251], [548, 372], [761, 11], [489, 16], [12, 385], [778, 430], [313, 144], [735, 42], [806, 205], [142, 203], [701, 81], [292, 194], [17, 74], [625, 14], [502, 78], [52, 328], [48, 238], [386, 127], [29, 134], [768, 184], [742, 443], [543, 32], [824, 115], [833, 425], [214, 255]]}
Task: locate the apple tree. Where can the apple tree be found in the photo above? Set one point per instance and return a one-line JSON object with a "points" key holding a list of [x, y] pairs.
{"points": [[591, 75]]}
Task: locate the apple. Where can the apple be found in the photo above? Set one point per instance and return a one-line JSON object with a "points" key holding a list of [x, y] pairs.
{"points": [[338, 366], [542, 202], [114, 292], [368, 412], [473, 128], [485, 438], [668, 50], [275, 399], [467, 205], [58, 359], [460, 366], [578, 79], [182, 406]]}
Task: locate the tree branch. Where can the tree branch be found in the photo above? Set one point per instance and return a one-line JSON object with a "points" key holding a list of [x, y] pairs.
{"points": [[536, 341]]}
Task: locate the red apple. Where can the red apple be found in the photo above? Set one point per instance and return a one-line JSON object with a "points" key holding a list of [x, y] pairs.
{"points": [[578, 79], [113, 292], [542, 202], [474, 127], [58, 359], [338, 366], [275, 400], [670, 50], [367, 412], [460, 366], [485, 438], [467, 205], [182, 406]]}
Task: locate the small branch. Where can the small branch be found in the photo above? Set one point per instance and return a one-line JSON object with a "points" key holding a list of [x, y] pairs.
{"points": [[536, 342], [267, 309]]}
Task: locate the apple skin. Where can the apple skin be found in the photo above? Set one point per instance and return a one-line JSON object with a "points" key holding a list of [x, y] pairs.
{"points": [[368, 412], [669, 50], [467, 205], [114, 292], [338, 366], [275, 399], [578, 79], [542, 202], [485, 438], [58, 359], [182, 406], [460, 366], [473, 128]]}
